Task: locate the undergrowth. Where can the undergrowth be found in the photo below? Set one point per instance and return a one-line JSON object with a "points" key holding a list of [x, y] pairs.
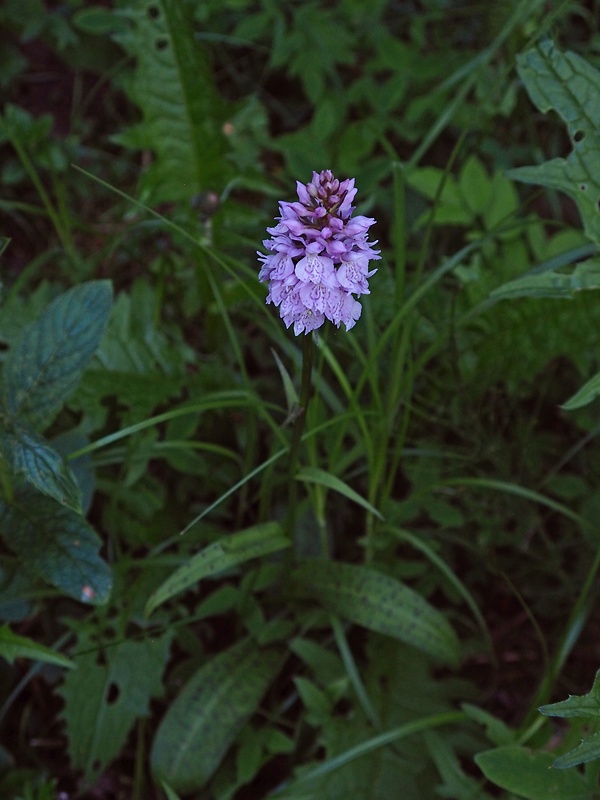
{"points": [[239, 563]]}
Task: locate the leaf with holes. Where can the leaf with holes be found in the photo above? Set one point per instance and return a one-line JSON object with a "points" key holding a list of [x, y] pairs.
{"points": [[566, 83], [378, 602], [228, 552], [207, 715], [108, 691], [30, 456], [45, 364], [182, 112], [56, 544]]}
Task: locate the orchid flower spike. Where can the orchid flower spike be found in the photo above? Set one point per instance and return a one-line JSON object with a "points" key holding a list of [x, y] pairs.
{"points": [[319, 254]]}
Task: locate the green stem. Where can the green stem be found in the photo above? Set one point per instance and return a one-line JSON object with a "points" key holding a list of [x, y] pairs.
{"points": [[6, 482], [62, 231], [305, 392]]}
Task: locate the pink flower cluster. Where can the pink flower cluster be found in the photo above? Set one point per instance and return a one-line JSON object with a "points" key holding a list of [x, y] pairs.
{"points": [[318, 256]]}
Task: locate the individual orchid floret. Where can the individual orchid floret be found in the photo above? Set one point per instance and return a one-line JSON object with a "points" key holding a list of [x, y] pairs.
{"points": [[319, 256]]}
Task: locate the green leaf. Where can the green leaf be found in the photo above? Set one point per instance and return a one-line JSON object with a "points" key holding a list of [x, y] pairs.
{"points": [[587, 750], [454, 782], [380, 603], [291, 395], [438, 562], [138, 343], [83, 468], [475, 184], [141, 360], [46, 362], [13, 646], [588, 392], [18, 589], [207, 715], [318, 705], [182, 112], [368, 746], [586, 705], [108, 691], [566, 83], [316, 475], [585, 277], [219, 556], [171, 795], [409, 696], [99, 21], [496, 730], [530, 775], [57, 544], [29, 455]]}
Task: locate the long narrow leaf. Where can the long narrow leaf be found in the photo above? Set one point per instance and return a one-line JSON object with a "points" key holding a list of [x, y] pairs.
{"points": [[208, 714], [462, 590], [219, 556], [13, 646], [378, 602], [323, 478], [369, 746]]}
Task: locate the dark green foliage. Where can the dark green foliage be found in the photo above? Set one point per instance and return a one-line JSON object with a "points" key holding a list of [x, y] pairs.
{"points": [[106, 694], [182, 113], [380, 603], [56, 544], [168, 635], [205, 718]]}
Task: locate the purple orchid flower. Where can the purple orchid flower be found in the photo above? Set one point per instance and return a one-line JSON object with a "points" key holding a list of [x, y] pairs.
{"points": [[319, 256]]}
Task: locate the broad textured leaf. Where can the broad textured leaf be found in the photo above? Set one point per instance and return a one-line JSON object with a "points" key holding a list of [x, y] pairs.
{"points": [[82, 467], [18, 590], [108, 691], [29, 455], [568, 84], [585, 705], [45, 364], [316, 475], [530, 775], [228, 552], [57, 544], [585, 277], [380, 603], [182, 112], [207, 715], [13, 646]]}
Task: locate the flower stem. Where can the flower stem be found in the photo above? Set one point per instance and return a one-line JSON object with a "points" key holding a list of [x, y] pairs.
{"points": [[6, 482], [298, 429]]}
